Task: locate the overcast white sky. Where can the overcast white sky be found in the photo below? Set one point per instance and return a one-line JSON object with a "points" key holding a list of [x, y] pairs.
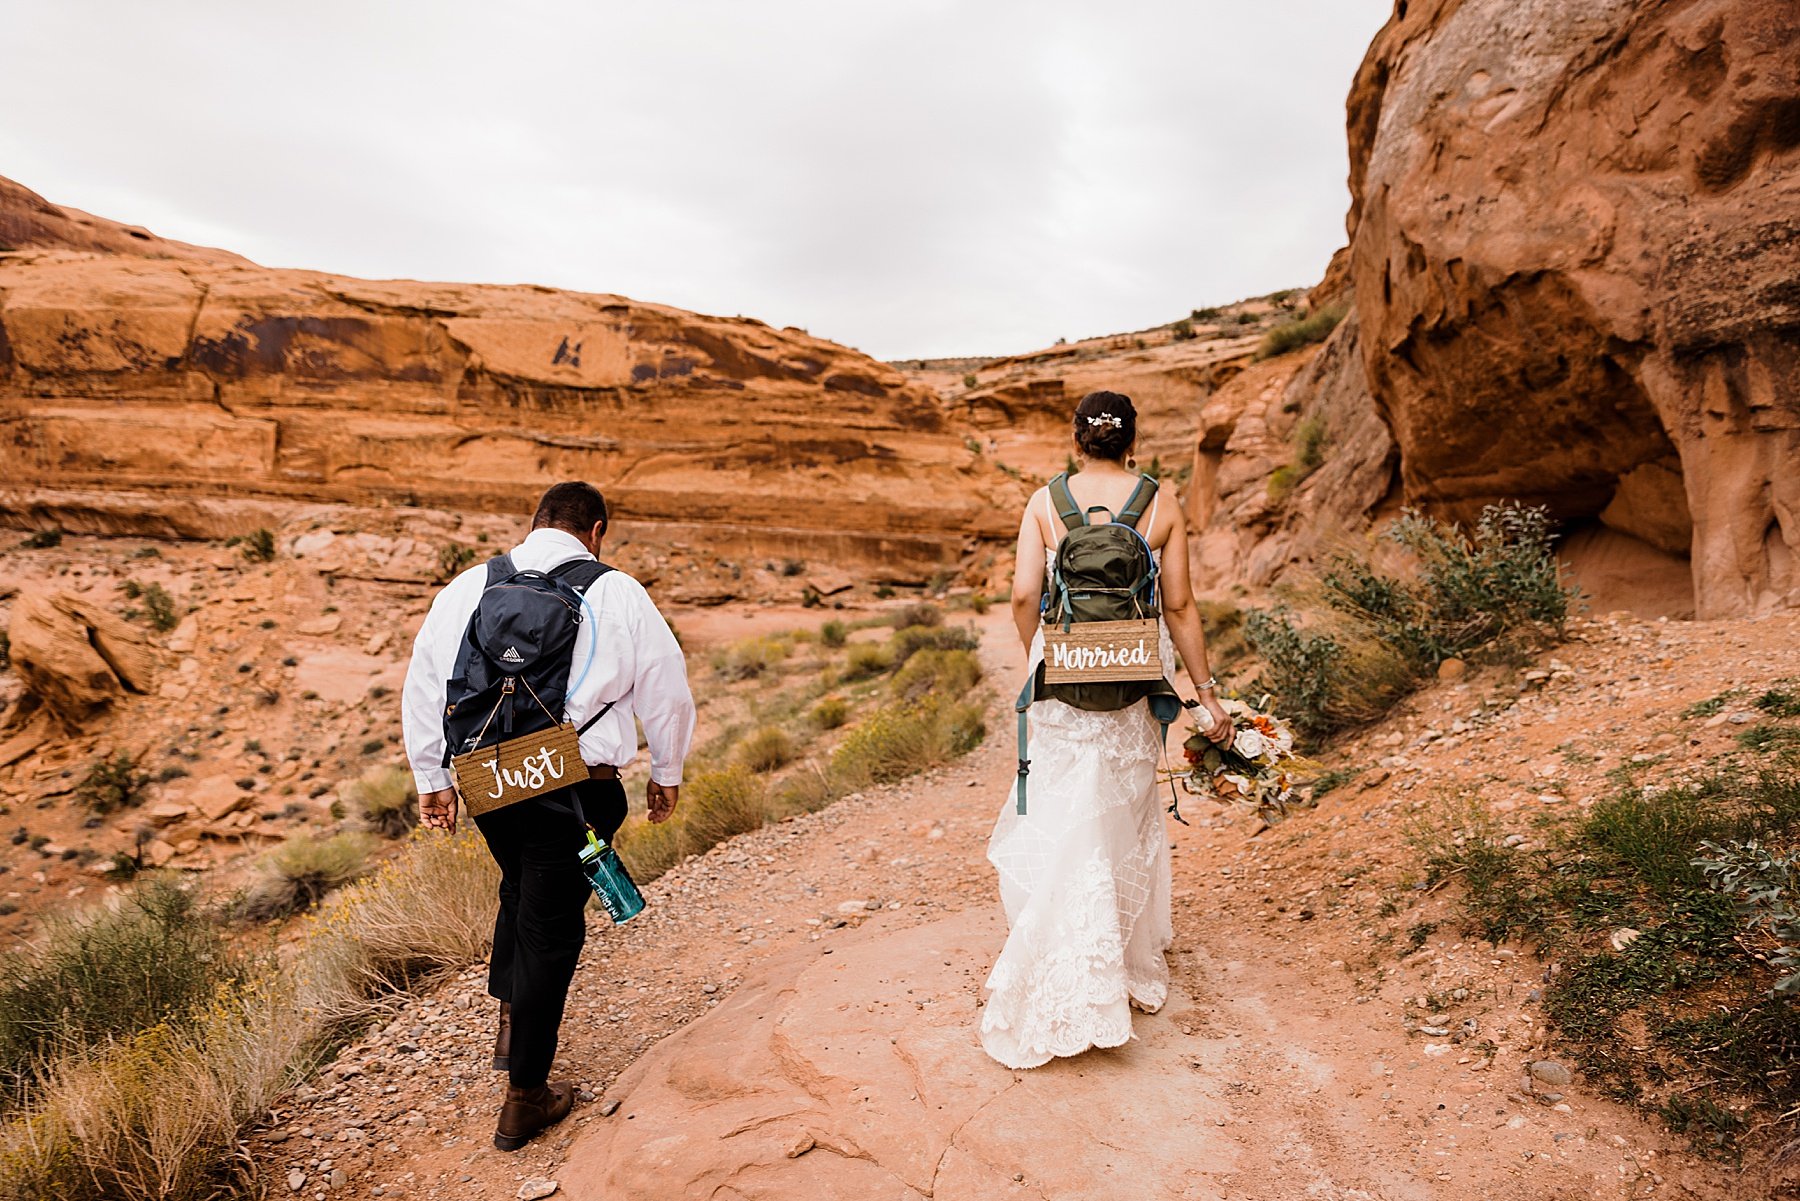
{"points": [[922, 177]]}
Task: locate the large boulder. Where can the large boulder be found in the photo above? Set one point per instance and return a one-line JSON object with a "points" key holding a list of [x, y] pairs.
{"points": [[76, 659], [1575, 247]]}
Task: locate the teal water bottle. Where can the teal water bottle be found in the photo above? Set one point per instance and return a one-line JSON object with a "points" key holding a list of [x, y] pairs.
{"points": [[610, 881]]}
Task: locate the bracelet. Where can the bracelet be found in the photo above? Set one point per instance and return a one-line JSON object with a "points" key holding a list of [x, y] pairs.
{"points": [[1210, 684]]}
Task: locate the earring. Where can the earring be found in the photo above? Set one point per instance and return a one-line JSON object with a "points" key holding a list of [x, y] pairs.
{"points": [[1131, 462]]}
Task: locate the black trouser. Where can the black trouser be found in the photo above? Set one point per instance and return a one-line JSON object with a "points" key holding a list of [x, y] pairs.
{"points": [[541, 925]]}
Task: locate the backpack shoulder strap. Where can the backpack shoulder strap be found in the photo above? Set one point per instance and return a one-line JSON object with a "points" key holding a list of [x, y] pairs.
{"points": [[500, 569], [1141, 496], [581, 573], [1066, 508]]}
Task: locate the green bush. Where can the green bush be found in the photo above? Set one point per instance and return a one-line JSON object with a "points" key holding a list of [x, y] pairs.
{"points": [[1303, 331], [969, 381], [453, 558], [387, 800], [948, 673], [1380, 633], [5, 650], [1699, 991], [766, 750], [302, 871], [43, 539], [109, 973], [159, 606], [834, 634], [830, 713], [259, 546], [112, 784], [1183, 330]]}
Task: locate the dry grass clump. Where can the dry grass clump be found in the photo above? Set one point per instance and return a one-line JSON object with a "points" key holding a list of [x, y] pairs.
{"points": [[830, 713], [866, 660], [717, 805], [158, 1113], [921, 613], [766, 750], [751, 658], [1302, 331], [948, 673], [910, 640], [834, 634], [899, 740], [649, 848], [107, 973], [298, 874], [387, 800]]}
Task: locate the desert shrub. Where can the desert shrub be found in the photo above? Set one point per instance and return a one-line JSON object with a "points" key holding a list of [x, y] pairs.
{"points": [[751, 658], [649, 849], [1183, 330], [766, 749], [898, 740], [453, 558], [258, 546], [386, 799], [112, 784], [160, 1114], [805, 791], [109, 973], [5, 650], [1670, 919], [948, 673], [1302, 331], [920, 613], [830, 713], [716, 805], [1226, 644], [159, 607], [1209, 313], [866, 660], [1779, 702], [834, 634], [1379, 632], [43, 539], [969, 381], [298, 874], [911, 640]]}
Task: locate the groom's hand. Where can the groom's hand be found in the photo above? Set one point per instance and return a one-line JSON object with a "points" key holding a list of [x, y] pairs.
{"points": [[660, 800], [437, 810]]}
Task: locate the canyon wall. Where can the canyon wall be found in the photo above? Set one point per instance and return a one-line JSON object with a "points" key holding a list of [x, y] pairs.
{"points": [[150, 388], [1575, 254]]}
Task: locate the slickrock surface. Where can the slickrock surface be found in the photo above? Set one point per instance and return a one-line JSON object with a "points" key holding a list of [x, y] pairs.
{"points": [[766, 992], [197, 397], [1573, 250]]}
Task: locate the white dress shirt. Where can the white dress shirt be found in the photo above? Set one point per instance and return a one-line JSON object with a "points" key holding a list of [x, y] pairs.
{"points": [[624, 653]]}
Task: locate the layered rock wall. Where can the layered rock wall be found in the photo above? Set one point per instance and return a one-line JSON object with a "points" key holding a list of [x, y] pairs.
{"points": [[1575, 250], [205, 392]]}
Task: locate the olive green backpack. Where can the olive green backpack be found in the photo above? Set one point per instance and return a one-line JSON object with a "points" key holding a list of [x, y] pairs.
{"points": [[1103, 571]]}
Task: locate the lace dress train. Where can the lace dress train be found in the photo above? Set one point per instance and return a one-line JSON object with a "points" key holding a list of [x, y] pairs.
{"points": [[1084, 878]]}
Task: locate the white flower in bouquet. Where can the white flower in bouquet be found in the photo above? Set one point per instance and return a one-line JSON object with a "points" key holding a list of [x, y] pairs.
{"points": [[1250, 743]]}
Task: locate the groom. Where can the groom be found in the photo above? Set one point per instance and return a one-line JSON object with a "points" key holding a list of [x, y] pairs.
{"points": [[627, 669]]}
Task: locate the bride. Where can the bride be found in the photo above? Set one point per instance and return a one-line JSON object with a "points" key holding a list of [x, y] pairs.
{"points": [[1084, 874]]}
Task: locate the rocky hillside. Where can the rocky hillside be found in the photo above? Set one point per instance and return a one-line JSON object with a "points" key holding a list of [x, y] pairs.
{"points": [[177, 392]]}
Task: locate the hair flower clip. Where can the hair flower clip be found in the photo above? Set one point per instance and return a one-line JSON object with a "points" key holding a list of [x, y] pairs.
{"points": [[1111, 419]]}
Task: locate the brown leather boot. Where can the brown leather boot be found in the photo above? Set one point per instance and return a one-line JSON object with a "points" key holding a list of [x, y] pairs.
{"points": [[529, 1110], [503, 1040]]}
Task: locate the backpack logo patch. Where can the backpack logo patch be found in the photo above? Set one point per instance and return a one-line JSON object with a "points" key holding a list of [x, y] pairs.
{"points": [[511, 655]]}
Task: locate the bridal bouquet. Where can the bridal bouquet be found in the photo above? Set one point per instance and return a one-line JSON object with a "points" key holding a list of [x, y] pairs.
{"points": [[1258, 771]]}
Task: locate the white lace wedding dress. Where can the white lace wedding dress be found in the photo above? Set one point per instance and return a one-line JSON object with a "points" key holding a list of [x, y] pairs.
{"points": [[1084, 878]]}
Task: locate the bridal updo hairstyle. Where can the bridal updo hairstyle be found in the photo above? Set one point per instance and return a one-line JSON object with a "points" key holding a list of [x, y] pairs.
{"points": [[1105, 425]]}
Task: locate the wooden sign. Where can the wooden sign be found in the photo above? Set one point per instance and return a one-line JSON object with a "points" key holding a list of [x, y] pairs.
{"points": [[518, 769], [1095, 652]]}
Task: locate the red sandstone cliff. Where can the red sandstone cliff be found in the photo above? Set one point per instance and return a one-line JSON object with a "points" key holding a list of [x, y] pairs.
{"points": [[180, 391]]}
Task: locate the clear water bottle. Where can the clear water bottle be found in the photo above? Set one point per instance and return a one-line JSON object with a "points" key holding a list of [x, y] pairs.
{"points": [[610, 881]]}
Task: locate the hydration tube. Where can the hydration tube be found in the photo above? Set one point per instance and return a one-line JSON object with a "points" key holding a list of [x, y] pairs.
{"points": [[592, 623]]}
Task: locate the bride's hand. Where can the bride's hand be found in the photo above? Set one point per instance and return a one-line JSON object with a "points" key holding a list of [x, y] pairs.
{"points": [[1218, 726]]}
